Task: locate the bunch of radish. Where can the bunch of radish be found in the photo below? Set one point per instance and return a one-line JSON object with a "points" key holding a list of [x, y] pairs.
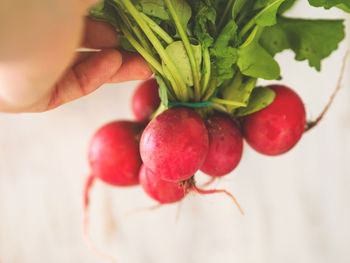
{"points": [[162, 153], [207, 57]]}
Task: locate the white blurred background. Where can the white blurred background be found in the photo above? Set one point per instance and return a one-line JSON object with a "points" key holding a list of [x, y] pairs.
{"points": [[297, 205]]}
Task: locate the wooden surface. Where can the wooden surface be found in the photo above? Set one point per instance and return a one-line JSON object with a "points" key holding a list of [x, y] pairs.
{"points": [[297, 205]]}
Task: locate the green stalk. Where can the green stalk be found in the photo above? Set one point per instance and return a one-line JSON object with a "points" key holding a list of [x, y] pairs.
{"points": [[246, 28], [180, 87], [160, 109], [228, 102], [136, 31], [223, 17], [252, 22], [218, 107], [238, 7], [207, 67], [188, 47], [211, 90], [231, 88], [157, 29], [251, 37], [241, 17], [139, 47], [171, 97], [146, 55]]}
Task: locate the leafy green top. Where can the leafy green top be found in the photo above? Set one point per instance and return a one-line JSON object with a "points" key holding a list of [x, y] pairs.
{"points": [[198, 48]]}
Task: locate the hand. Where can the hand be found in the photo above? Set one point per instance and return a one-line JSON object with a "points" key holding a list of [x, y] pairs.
{"points": [[39, 66]]}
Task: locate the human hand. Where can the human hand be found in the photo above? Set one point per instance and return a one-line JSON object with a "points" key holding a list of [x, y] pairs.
{"points": [[45, 71]]}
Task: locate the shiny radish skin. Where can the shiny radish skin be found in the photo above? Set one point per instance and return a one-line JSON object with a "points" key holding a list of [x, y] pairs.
{"points": [[114, 153], [145, 100], [277, 128], [162, 191], [225, 146], [174, 144]]}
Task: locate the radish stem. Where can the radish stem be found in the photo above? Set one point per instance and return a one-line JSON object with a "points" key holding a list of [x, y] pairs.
{"points": [[207, 67], [223, 17], [188, 47], [229, 102], [180, 87], [157, 29]]}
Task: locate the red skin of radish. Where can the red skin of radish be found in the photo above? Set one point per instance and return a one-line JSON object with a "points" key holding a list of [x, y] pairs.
{"points": [[145, 100], [277, 128], [225, 146], [114, 153], [162, 191], [174, 144]]}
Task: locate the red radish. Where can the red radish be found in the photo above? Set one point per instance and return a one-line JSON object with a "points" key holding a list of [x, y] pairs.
{"points": [[114, 159], [225, 146], [114, 153], [277, 128], [145, 100], [174, 144], [166, 192], [162, 191]]}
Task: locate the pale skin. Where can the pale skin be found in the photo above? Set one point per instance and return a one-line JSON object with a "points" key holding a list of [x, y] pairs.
{"points": [[40, 68]]}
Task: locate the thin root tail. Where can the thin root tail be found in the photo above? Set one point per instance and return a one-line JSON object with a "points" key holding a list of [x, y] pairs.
{"points": [[314, 123], [139, 210], [218, 191], [88, 185], [211, 181]]}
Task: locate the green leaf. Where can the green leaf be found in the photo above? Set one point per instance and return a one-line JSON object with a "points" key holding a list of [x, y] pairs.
{"points": [[104, 11], [124, 42], [177, 53], [155, 8], [237, 6], [267, 17], [343, 7], [313, 40], [260, 4], [274, 39], [329, 3], [285, 6], [219, 5], [224, 52], [183, 11], [162, 90], [255, 61], [259, 99], [204, 17], [239, 93], [225, 38]]}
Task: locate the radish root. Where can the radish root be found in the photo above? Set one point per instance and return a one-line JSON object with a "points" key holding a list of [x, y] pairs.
{"points": [[139, 210], [217, 191], [178, 211], [211, 181], [110, 222], [88, 185], [312, 124]]}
